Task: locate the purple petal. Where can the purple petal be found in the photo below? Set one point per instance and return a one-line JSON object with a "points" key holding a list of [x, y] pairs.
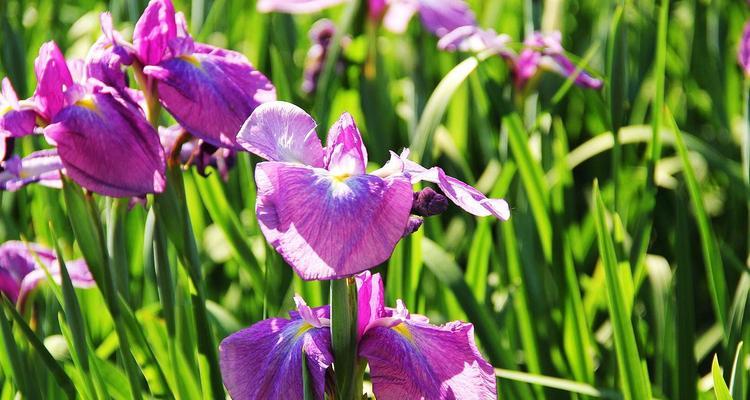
{"points": [[743, 55], [42, 167], [296, 6], [328, 228], [79, 273], [526, 66], [371, 302], [412, 360], [476, 40], [108, 56], [16, 120], [346, 155], [107, 146], [53, 76], [280, 131], [153, 31], [443, 16], [399, 14], [16, 261], [211, 95], [566, 68], [376, 8], [264, 361]]}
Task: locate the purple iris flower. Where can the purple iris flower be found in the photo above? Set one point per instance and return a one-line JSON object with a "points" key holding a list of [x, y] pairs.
{"points": [[320, 209], [210, 91], [408, 357], [20, 273], [102, 137], [17, 118], [743, 54], [42, 167], [198, 153], [438, 16]]}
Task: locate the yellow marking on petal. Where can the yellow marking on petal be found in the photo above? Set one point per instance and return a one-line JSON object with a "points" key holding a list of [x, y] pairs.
{"points": [[192, 60], [87, 102], [403, 330], [302, 329], [6, 110], [341, 177]]}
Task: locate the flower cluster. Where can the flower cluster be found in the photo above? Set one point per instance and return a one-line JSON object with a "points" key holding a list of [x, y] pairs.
{"points": [[409, 358], [99, 127]]}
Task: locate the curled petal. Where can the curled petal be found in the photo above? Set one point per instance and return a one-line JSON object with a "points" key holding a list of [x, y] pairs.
{"points": [[264, 361], [107, 146], [328, 228], [53, 77], [296, 6], [108, 56], [42, 167], [413, 360], [154, 30], [280, 131], [79, 273], [443, 16], [346, 154], [211, 95], [370, 298]]}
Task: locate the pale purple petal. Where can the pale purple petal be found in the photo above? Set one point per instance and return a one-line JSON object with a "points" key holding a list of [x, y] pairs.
{"points": [[264, 361], [346, 154], [566, 68], [211, 95], [16, 119], [443, 16], [79, 273], [328, 228], [412, 360], [476, 40], [16, 261], [154, 30], [370, 298], [743, 55], [280, 131], [107, 146], [526, 66], [399, 14], [42, 167], [296, 6], [53, 77]]}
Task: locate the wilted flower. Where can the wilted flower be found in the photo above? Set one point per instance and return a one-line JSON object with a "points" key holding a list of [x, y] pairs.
{"points": [[20, 273], [210, 91], [408, 357], [743, 54], [42, 167], [320, 209], [103, 139], [438, 16]]}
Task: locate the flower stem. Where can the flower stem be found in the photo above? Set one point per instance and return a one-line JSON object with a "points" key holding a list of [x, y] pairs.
{"points": [[344, 339]]}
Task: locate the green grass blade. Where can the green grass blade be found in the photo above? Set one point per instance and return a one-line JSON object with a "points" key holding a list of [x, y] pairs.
{"points": [[720, 386], [557, 383]]}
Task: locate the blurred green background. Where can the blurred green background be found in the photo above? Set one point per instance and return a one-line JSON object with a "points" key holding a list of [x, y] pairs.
{"points": [[544, 301]]}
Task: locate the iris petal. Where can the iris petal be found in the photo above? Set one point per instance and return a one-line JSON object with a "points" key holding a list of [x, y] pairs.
{"points": [[53, 76], [154, 30], [346, 154], [443, 16], [327, 228], [296, 6], [280, 131]]}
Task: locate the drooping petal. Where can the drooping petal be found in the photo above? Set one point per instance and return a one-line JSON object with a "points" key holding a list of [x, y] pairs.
{"points": [[546, 51], [280, 131], [346, 154], [53, 77], [154, 30], [16, 120], [743, 54], [42, 167], [443, 16], [414, 360], [370, 298], [211, 95], [296, 6], [16, 261], [107, 146], [565, 67], [398, 15], [328, 228], [264, 361], [79, 273]]}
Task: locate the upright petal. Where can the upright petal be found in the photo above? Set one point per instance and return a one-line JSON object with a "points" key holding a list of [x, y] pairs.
{"points": [[16, 120], [415, 360], [280, 131], [296, 6], [264, 361], [53, 77], [154, 30], [328, 228], [42, 167], [211, 95], [78, 271], [346, 154], [107, 146], [370, 298], [443, 16]]}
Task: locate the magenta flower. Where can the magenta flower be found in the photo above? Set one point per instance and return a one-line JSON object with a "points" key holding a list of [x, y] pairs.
{"points": [[209, 91], [197, 152], [17, 118], [42, 167], [438, 16], [20, 273], [102, 137], [408, 357], [320, 209], [743, 54]]}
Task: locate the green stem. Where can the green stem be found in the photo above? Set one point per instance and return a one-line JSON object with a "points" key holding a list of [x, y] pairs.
{"points": [[344, 339]]}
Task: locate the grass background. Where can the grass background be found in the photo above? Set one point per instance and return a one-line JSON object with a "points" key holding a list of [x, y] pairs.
{"points": [[623, 272]]}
